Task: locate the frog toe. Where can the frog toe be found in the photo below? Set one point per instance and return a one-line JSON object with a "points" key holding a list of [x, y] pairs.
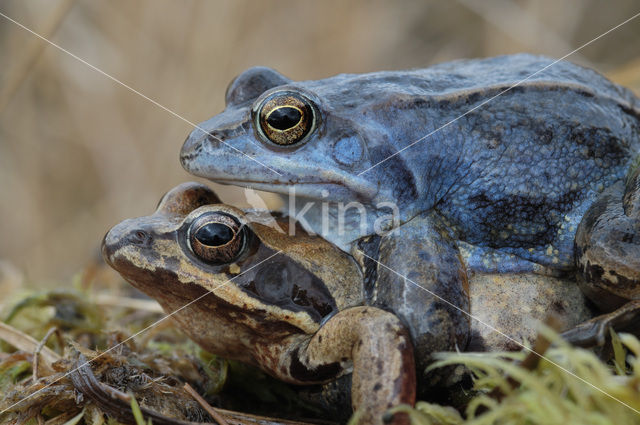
{"points": [[594, 332]]}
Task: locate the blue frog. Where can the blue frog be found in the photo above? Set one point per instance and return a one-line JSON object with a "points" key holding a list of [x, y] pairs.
{"points": [[510, 164]]}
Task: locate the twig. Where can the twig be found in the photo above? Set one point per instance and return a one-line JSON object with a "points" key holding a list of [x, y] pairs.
{"points": [[128, 302], [206, 406], [38, 350]]}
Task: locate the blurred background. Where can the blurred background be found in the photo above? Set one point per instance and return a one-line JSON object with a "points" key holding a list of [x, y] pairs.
{"points": [[79, 153]]}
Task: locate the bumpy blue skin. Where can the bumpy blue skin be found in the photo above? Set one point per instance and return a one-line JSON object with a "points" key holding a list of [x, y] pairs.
{"points": [[512, 178]]}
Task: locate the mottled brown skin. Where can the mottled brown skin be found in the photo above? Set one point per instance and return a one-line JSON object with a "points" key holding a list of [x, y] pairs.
{"points": [[516, 303], [289, 305], [608, 258]]}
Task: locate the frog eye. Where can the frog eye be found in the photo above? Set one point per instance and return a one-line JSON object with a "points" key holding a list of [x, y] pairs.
{"points": [[217, 238], [285, 118]]}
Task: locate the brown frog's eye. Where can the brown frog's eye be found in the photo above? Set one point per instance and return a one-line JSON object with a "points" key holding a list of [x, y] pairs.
{"points": [[285, 118], [217, 238]]}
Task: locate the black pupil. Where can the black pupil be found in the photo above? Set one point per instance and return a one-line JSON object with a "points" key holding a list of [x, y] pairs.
{"points": [[284, 118], [214, 234]]}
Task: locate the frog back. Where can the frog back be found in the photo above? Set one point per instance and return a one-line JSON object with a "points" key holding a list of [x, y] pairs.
{"points": [[511, 150]]}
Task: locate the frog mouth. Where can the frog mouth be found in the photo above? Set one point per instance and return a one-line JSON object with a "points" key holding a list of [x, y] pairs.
{"points": [[332, 191]]}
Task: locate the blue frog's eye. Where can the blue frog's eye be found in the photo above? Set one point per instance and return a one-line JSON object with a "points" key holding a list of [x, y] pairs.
{"points": [[285, 118], [216, 238]]}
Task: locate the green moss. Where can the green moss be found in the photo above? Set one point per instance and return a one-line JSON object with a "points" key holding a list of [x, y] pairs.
{"points": [[568, 386]]}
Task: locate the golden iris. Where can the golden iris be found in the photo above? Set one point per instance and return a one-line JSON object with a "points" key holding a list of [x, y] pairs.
{"points": [[285, 118]]}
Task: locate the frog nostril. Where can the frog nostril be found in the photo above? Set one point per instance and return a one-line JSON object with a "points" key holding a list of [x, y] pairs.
{"points": [[213, 140], [139, 237], [193, 143]]}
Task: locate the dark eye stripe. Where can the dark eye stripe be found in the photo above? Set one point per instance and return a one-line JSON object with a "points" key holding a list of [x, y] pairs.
{"points": [[284, 117]]}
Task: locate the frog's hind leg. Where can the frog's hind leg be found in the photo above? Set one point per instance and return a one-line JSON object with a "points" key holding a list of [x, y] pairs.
{"points": [[631, 198], [607, 249], [608, 246]]}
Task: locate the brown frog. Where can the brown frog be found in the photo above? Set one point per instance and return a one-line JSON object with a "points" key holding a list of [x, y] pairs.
{"points": [[305, 311]]}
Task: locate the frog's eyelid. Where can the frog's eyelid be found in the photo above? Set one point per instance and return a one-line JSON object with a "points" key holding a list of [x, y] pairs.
{"points": [[253, 82], [194, 217]]}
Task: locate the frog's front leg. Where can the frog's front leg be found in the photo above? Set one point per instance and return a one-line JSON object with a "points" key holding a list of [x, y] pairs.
{"points": [[420, 275], [607, 248], [378, 345]]}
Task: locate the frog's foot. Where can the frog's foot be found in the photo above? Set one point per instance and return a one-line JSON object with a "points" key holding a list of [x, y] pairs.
{"points": [[608, 246], [594, 332], [383, 364]]}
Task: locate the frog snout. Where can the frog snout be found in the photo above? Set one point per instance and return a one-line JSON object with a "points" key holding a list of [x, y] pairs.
{"points": [[109, 248], [122, 236], [192, 146]]}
